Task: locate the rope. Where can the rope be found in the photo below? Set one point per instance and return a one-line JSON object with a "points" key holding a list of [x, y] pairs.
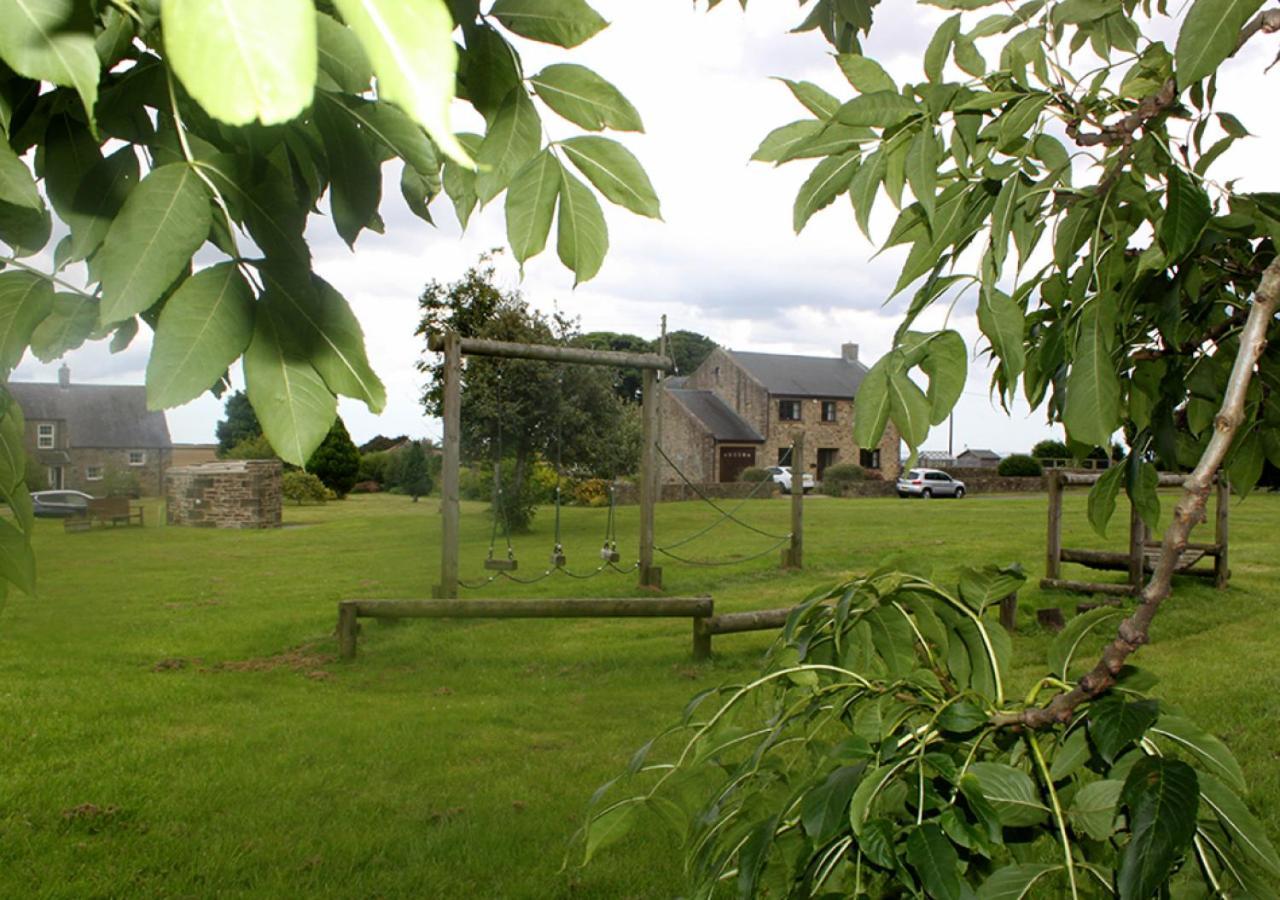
{"points": [[725, 513], [727, 562], [717, 522]]}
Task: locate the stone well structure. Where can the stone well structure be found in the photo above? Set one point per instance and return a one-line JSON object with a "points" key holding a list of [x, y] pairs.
{"points": [[232, 494]]}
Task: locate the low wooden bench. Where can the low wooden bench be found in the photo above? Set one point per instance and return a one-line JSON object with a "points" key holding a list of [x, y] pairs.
{"points": [[111, 511]]}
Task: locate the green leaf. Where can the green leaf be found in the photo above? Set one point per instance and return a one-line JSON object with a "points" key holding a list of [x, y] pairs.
{"points": [[1143, 494], [16, 184], [1186, 214], [871, 406], [355, 187], [98, 200], [1071, 754], [270, 208], [1209, 34], [825, 809], [582, 238], [565, 23], [340, 55], [909, 409], [866, 75], [935, 862], [1000, 319], [68, 325], [291, 400], [1245, 830], [418, 191], [779, 143], [514, 138], [968, 58], [980, 588], [460, 182], [322, 327], [243, 60], [26, 300], [164, 222], [1011, 792], [1115, 723], [828, 180], [962, 717], [52, 40], [1207, 748], [922, 169], [812, 98], [17, 561], [410, 45], [530, 205], [935, 55], [25, 230], [203, 328], [883, 109], [1162, 796], [1062, 651], [1102, 498], [1093, 811], [584, 98], [615, 172], [609, 827], [395, 131], [1014, 882], [754, 854], [947, 365], [864, 188], [1092, 411]]}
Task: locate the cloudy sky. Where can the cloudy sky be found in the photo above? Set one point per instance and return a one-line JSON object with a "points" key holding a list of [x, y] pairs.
{"points": [[724, 261]]}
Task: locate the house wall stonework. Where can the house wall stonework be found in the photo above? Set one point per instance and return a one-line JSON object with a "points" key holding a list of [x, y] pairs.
{"points": [[240, 494], [150, 475], [686, 443]]}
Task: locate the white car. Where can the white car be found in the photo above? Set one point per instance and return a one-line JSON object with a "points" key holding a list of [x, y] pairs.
{"points": [[782, 476], [929, 483]]}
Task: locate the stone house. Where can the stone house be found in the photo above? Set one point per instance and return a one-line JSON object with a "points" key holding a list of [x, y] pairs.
{"points": [[82, 433], [978, 459], [742, 409]]}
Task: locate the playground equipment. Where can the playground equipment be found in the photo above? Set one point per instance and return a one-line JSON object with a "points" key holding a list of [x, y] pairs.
{"points": [[1142, 553]]}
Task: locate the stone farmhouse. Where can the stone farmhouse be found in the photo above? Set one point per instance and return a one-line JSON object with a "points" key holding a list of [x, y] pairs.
{"points": [[744, 409], [80, 433]]}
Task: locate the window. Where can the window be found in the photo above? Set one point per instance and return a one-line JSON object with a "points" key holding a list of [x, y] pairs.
{"points": [[93, 473], [870, 459], [828, 410], [137, 457], [44, 436], [784, 456], [936, 476], [789, 410]]}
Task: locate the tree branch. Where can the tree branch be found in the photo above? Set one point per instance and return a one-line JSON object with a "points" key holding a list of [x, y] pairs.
{"points": [[1133, 631]]}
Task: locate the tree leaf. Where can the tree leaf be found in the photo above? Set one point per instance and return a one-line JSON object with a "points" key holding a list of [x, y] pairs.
{"points": [[16, 184], [1162, 796], [1014, 882], [866, 75], [68, 325], [1093, 811], [1071, 754], [1000, 319], [26, 300], [323, 329], [883, 109], [922, 169], [828, 180], [1209, 34], [490, 69], [269, 206], [779, 143], [514, 138], [395, 131], [355, 187], [1062, 651], [410, 44], [52, 40], [25, 230], [1092, 411], [812, 98], [609, 827], [460, 182], [163, 222], [243, 60], [17, 561], [871, 405], [203, 328], [962, 717], [584, 98], [865, 187], [1143, 494], [1102, 498], [935, 862], [935, 55], [565, 23], [582, 238], [947, 365], [1186, 214], [289, 397], [1011, 792], [1115, 723], [340, 55], [825, 809], [615, 172], [531, 204], [1245, 830], [1207, 748], [909, 409]]}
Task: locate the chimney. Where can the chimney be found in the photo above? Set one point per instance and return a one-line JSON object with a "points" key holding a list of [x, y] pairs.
{"points": [[849, 352], [64, 376]]}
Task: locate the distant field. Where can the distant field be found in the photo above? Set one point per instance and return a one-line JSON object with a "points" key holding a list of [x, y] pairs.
{"points": [[173, 721]]}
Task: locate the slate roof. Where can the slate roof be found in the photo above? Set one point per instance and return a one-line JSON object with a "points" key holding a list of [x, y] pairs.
{"points": [[982, 454], [111, 416], [802, 376], [723, 423]]}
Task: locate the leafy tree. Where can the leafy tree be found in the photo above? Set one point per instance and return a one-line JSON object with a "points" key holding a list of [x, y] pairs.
{"points": [[1019, 465], [415, 479], [336, 461], [240, 424], [303, 487], [255, 447], [381, 442], [628, 382], [1050, 449], [688, 349]]}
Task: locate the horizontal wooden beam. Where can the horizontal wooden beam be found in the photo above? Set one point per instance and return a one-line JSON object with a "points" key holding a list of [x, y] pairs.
{"points": [[755, 620], [641, 607], [1167, 479], [1086, 587], [555, 353]]}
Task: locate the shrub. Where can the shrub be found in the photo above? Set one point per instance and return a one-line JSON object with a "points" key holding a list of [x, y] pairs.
{"points": [[1019, 465], [303, 487], [117, 482], [835, 479], [591, 492], [1050, 449], [754, 473], [255, 447], [366, 487], [37, 476], [414, 478], [375, 466]]}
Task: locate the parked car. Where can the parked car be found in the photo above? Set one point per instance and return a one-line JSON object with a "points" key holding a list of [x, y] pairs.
{"points": [[929, 483], [60, 504], [782, 476]]}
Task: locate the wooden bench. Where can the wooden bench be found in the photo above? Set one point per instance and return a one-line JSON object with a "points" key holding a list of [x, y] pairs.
{"points": [[111, 511]]}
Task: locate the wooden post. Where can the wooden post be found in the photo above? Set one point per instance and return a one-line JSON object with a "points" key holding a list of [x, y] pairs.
{"points": [[1009, 612], [1221, 566], [1053, 542], [348, 625], [701, 640], [650, 575], [1137, 548], [450, 467], [794, 557]]}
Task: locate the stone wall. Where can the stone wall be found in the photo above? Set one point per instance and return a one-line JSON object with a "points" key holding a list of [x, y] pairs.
{"points": [[235, 494], [105, 463], [981, 484], [629, 494], [686, 443]]}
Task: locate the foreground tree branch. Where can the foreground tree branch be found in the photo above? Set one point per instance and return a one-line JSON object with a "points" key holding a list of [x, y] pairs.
{"points": [[1134, 631]]}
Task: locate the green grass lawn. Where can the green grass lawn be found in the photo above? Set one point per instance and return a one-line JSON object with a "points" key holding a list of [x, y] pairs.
{"points": [[173, 721]]}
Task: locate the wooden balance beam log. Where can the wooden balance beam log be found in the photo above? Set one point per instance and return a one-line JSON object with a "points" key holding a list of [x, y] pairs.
{"points": [[350, 611]]}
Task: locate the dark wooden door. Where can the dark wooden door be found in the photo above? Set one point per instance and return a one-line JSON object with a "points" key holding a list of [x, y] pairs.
{"points": [[734, 459]]}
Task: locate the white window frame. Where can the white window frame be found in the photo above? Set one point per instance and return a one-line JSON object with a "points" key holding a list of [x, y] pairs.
{"points": [[88, 473], [46, 435], [142, 457]]}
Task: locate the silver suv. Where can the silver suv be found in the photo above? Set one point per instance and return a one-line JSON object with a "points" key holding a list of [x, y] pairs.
{"points": [[929, 483]]}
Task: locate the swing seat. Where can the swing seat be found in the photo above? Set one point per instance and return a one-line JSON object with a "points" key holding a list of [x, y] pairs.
{"points": [[557, 560], [500, 565], [610, 555]]}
